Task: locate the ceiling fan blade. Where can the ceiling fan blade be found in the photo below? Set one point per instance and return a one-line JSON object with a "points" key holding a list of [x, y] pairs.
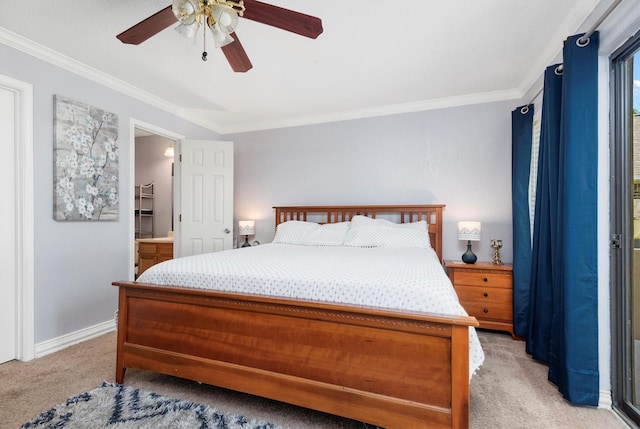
{"points": [[285, 19], [149, 27], [236, 55]]}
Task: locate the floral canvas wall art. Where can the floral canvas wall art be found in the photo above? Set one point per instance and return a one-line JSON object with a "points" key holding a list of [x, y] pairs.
{"points": [[86, 162]]}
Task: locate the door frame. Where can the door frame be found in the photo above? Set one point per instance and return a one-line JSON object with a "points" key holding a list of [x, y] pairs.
{"points": [[153, 129], [623, 376], [24, 216]]}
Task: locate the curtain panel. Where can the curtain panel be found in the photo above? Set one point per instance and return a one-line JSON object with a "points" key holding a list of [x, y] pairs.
{"points": [[562, 324], [545, 253], [521, 142]]}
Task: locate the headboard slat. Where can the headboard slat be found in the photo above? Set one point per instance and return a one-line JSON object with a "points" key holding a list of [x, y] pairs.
{"points": [[431, 213]]}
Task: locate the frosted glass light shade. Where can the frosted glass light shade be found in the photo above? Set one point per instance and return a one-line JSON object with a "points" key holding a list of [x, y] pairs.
{"points": [[189, 31], [246, 227], [226, 17], [469, 230], [220, 38], [185, 11]]}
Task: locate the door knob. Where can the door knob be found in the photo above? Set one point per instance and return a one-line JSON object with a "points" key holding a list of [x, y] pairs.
{"points": [[226, 231]]}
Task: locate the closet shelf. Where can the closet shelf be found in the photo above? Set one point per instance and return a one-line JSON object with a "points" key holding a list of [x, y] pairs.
{"points": [[143, 210]]}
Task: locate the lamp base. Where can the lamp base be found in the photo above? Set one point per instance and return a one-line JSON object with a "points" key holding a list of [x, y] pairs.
{"points": [[469, 257], [246, 242]]}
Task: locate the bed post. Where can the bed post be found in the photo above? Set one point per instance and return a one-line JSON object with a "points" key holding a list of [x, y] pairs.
{"points": [[435, 230], [460, 376], [122, 334]]}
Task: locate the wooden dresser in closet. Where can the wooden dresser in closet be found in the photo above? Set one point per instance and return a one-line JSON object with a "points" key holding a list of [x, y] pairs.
{"points": [[152, 251]]}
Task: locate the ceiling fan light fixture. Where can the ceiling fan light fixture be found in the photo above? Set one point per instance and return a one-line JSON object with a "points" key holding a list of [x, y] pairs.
{"points": [[221, 16]]}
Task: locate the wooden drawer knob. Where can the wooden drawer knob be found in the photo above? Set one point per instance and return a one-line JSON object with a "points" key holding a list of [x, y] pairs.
{"points": [[486, 294], [486, 310], [485, 279]]}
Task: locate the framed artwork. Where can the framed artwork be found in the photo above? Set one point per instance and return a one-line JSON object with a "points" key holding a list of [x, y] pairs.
{"points": [[86, 162]]}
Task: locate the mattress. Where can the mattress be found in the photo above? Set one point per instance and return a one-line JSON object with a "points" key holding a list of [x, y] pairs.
{"points": [[392, 278]]}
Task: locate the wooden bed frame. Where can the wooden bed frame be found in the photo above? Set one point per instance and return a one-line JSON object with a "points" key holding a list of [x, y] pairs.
{"points": [[389, 368]]}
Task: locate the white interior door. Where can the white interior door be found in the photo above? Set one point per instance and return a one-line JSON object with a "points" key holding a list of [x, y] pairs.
{"points": [[8, 335], [206, 197]]}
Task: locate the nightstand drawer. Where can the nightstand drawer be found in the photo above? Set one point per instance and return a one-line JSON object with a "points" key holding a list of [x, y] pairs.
{"points": [[484, 294], [486, 312], [486, 303], [472, 278]]}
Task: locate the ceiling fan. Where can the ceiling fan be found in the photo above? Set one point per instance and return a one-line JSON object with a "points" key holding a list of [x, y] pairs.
{"points": [[221, 16]]}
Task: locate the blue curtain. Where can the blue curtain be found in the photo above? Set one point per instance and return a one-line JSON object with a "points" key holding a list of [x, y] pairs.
{"points": [[563, 305], [544, 261], [574, 356], [521, 139]]}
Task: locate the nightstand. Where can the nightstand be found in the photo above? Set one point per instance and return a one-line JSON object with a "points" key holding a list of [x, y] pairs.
{"points": [[485, 290]]}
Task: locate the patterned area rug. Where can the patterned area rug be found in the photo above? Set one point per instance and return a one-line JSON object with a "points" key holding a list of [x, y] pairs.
{"points": [[115, 406]]}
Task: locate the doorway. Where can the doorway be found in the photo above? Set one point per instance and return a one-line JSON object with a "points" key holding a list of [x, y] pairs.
{"points": [[152, 164], [153, 199], [8, 289], [17, 221], [625, 227]]}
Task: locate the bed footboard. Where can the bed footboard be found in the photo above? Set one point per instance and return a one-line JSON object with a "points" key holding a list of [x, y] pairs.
{"points": [[392, 369]]}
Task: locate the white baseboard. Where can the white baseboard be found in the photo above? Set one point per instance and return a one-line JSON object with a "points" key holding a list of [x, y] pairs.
{"points": [[605, 401], [50, 346]]}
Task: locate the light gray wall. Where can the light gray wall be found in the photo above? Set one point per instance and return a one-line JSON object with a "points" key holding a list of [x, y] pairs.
{"points": [[75, 262], [460, 157], [153, 166]]}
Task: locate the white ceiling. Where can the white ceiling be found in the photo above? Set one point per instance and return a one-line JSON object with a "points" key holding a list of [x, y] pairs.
{"points": [[374, 57]]}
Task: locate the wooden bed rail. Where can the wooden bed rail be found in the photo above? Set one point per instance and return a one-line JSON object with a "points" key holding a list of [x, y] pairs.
{"points": [[393, 369], [431, 213]]}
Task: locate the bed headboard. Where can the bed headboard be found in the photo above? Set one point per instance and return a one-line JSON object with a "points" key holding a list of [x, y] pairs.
{"points": [[431, 213]]}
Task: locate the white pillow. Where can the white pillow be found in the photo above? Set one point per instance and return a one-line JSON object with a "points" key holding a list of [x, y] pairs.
{"points": [[367, 232], [311, 233]]}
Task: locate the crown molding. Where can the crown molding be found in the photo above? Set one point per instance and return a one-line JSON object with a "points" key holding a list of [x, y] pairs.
{"points": [[419, 106], [65, 62]]}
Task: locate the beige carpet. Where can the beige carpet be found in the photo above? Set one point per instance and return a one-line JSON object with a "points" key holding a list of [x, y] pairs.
{"points": [[509, 391]]}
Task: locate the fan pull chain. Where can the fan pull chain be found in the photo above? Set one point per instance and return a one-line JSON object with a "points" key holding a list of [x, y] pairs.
{"points": [[204, 45]]}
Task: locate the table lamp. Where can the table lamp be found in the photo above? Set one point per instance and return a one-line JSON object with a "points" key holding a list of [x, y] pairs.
{"points": [[470, 231], [246, 228]]}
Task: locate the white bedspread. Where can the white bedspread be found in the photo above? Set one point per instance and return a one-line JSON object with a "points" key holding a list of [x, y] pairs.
{"points": [[403, 279]]}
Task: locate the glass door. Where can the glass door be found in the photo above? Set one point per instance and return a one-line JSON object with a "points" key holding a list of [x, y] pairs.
{"points": [[635, 260], [625, 216]]}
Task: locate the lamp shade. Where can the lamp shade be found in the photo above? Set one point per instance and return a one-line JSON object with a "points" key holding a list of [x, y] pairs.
{"points": [[469, 230], [246, 227], [185, 11]]}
